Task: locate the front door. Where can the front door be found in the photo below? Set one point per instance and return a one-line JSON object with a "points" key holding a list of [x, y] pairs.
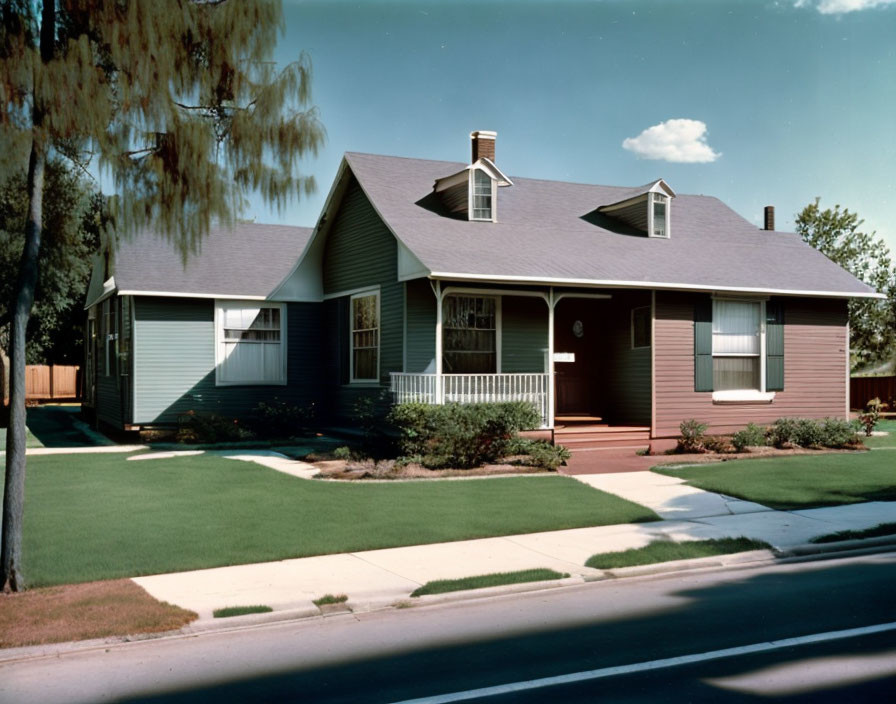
{"points": [[574, 331]]}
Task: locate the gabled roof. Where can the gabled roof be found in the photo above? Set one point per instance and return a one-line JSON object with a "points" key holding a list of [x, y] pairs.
{"points": [[247, 261], [484, 163], [658, 186], [551, 232]]}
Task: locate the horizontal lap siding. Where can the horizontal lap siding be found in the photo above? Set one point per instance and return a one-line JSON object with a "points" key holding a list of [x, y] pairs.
{"points": [[421, 327], [814, 367], [524, 334], [625, 379], [108, 400], [361, 252], [174, 361]]}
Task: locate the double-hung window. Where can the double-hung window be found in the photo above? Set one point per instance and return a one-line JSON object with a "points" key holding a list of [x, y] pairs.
{"points": [[365, 334], [482, 196], [251, 343], [659, 223], [469, 335], [737, 346]]}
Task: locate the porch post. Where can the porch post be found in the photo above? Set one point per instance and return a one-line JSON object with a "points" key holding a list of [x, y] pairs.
{"points": [[438, 342], [551, 357]]}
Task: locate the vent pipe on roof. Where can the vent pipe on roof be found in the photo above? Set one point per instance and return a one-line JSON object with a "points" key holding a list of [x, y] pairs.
{"points": [[769, 217], [483, 145]]}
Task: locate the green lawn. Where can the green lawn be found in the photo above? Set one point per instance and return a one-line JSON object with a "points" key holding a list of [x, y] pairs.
{"points": [[666, 551], [90, 517], [885, 441], [803, 481]]}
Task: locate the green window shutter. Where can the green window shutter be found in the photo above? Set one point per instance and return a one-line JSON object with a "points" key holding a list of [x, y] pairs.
{"points": [[703, 344], [774, 346]]}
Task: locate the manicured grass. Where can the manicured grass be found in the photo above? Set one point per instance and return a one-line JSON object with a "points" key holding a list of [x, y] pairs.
{"points": [[875, 532], [800, 481], [886, 425], [82, 611], [440, 586], [328, 599], [664, 551], [97, 516], [229, 611]]}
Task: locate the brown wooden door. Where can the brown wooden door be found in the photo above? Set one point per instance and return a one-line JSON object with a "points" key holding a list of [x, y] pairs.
{"points": [[573, 328]]}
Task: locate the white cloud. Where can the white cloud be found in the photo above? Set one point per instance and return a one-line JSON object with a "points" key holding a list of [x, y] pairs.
{"points": [[681, 141], [839, 7]]}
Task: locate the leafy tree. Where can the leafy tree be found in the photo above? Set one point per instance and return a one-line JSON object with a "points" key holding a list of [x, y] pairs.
{"points": [[178, 101], [72, 223], [836, 234]]}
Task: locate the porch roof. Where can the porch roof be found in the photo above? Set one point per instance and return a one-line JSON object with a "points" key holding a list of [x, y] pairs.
{"points": [[551, 232]]}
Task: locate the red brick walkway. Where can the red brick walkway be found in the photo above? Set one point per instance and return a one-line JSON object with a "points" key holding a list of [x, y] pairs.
{"points": [[607, 461]]}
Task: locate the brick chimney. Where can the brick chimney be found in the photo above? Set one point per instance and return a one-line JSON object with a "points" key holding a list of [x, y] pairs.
{"points": [[769, 217], [483, 145]]}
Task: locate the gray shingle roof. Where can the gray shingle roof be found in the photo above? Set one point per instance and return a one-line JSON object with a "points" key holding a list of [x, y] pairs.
{"points": [[248, 260], [549, 231]]}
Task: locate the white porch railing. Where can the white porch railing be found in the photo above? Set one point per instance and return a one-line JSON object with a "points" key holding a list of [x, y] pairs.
{"points": [[472, 388]]}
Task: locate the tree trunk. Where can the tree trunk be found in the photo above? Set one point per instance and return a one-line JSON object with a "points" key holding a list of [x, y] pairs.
{"points": [[14, 491]]}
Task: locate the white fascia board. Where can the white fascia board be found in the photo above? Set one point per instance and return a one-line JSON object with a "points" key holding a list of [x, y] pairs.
{"points": [[640, 198], [182, 294], [447, 182], [658, 285], [489, 167], [661, 186]]}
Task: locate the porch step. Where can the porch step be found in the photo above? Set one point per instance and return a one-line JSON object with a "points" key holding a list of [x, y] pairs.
{"points": [[591, 437]]}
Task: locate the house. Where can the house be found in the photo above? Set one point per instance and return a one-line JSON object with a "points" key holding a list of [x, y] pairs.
{"points": [[439, 282]]}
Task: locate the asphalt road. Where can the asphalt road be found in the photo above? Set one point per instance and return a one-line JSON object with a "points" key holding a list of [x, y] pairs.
{"points": [[415, 653]]}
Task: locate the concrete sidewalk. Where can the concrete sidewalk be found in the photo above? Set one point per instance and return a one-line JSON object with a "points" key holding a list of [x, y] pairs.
{"points": [[379, 578]]}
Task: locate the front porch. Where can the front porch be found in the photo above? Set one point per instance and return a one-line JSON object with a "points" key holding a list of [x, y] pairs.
{"points": [[572, 353]]}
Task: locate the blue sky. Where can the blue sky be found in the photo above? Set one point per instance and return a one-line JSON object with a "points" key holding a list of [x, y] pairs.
{"points": [[798, 97]]}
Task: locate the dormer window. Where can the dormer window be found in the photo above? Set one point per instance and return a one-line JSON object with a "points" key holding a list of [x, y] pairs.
{"points": [[644, 208], [483, 196], [659, 215]]}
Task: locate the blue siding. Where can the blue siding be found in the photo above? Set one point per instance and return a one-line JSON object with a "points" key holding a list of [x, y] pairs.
{"points": [[174, 361], [421, 327], [524, 338]]}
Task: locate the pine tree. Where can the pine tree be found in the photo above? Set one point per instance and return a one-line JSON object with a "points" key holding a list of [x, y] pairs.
{"points": [[178, 101]]}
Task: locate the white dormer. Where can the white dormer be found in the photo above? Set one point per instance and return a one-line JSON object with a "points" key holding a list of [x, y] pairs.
{"points": [[473, 191], [647, 208]]}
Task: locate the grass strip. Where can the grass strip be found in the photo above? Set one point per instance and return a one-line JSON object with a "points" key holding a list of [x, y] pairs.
{"points": [[877, 531], [229, 611], [327, 599], [667, 551], [800, 481], [82, 611], [441, 586]]}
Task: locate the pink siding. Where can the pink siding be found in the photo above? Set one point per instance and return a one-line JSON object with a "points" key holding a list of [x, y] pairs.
{"points": [[815, 338]]}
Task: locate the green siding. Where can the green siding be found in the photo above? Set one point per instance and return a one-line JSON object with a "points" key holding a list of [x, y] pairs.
{"points": [[421, 327], [108, 401], [703, 344], [524, 334], [626, 375], [174, 361], [360, 252]]}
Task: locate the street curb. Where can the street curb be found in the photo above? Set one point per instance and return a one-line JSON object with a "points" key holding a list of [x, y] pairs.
{"points": [[696, 563]]}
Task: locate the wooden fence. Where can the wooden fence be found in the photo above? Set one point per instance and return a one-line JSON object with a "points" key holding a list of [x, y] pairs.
{"points": [[45, 383], [864, 388]]}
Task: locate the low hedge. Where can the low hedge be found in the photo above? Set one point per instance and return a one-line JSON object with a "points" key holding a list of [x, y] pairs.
{"points": [[460, 435]]}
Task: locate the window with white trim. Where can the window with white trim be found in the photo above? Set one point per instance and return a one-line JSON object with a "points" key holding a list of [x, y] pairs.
{"points": [[482, 196], [110, 337], [737, 346], [640, 327], [470, 335], [659, 215], [365, 334], [251, 343]]}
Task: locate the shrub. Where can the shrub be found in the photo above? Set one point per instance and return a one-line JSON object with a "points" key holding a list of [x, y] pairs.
{"points": [[807, 432], [210, 428], [547, 456], [460, 435], [342, 453], [751, 436], [719, 443], [837, 432], [692, 437], [279, 419], [870, 416]]}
